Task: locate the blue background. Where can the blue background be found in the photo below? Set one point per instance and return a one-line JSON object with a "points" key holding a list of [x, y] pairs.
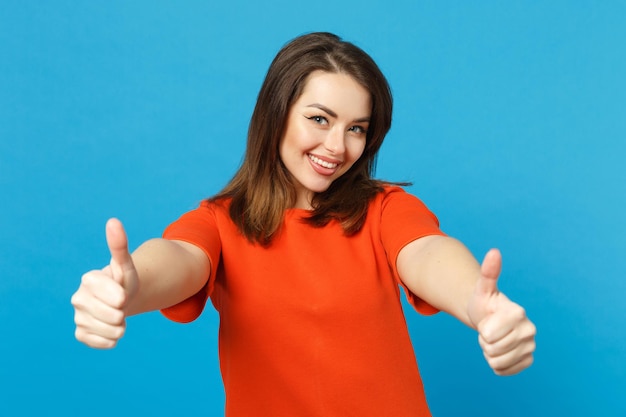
{"points": [[510, 120]]}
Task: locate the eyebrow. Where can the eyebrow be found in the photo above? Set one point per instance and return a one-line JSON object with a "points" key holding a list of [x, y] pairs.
{"points": [[333, 114]]}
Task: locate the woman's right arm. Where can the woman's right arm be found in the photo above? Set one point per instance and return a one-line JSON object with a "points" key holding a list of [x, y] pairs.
{"points": [[159, 274]]}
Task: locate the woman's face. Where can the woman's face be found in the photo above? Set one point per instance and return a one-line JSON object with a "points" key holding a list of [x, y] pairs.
{"points": [[325, 132]]}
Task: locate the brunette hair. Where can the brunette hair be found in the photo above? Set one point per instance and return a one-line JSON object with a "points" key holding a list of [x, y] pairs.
{"points": [[262, 188]]}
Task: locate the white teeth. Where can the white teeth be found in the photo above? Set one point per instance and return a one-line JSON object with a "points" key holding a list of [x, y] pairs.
{"points": [[322, 163]]}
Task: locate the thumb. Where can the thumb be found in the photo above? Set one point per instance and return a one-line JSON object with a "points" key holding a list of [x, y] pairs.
{"points": [[118, 246], [490, 271]]}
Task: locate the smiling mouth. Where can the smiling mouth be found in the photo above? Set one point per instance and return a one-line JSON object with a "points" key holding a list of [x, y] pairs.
{"points": [[322, 163]]}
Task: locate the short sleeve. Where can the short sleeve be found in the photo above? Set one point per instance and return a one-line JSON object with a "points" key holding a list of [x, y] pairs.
{"points": [[198, 227], [404, 218]]}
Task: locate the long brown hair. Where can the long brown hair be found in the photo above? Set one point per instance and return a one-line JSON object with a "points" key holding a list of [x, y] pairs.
{"points": [[262, 188]]}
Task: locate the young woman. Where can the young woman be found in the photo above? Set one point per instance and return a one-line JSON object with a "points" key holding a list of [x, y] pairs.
{"points": [[303, 254]]}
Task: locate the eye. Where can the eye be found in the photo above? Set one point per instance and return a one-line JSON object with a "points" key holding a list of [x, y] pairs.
{"points": [[358, 129], [320, 120]]}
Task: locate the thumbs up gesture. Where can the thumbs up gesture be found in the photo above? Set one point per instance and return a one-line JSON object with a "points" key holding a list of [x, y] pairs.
{"points": [[102, 296], [505, 334]]}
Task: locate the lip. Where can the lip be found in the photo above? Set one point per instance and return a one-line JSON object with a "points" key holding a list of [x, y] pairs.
{"points": [[321, 169]]}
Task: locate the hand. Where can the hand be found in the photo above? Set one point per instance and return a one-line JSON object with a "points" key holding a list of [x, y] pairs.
{"points": [[102, 295], [505, 334]]}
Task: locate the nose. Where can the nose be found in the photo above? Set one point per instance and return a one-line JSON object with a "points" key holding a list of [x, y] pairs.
{"points": [[335, 141]]}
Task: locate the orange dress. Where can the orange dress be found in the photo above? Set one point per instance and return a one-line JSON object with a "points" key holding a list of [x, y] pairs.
{"points": [[313, 324]]}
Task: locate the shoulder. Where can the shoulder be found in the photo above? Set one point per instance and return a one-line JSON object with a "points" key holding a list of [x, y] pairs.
{"points": [[212, 207], [395, 206], [216, 203], [403, 218], [393, 191], [207, 213], [394, 195]]}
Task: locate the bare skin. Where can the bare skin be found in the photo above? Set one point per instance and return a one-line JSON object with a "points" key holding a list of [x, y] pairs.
{"points": [[443, 272], [439, 270], [325, 135], [158, 274]]}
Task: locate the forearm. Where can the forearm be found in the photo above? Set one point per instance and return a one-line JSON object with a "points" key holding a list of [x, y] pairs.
{"points": [[168, 272], [441, 271], [444, 273]]}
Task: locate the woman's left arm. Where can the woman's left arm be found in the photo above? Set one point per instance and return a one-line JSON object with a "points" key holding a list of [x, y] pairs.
{"points": [[441, 271]]}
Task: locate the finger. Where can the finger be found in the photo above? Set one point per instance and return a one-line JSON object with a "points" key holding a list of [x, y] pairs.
{"points": [[89, 306], [118, 246], [499, 347], [93, 340], [522, 334], [92, 325], [504, 318], [490, 271], [512, 362], [517, 368], [99, 285]]}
